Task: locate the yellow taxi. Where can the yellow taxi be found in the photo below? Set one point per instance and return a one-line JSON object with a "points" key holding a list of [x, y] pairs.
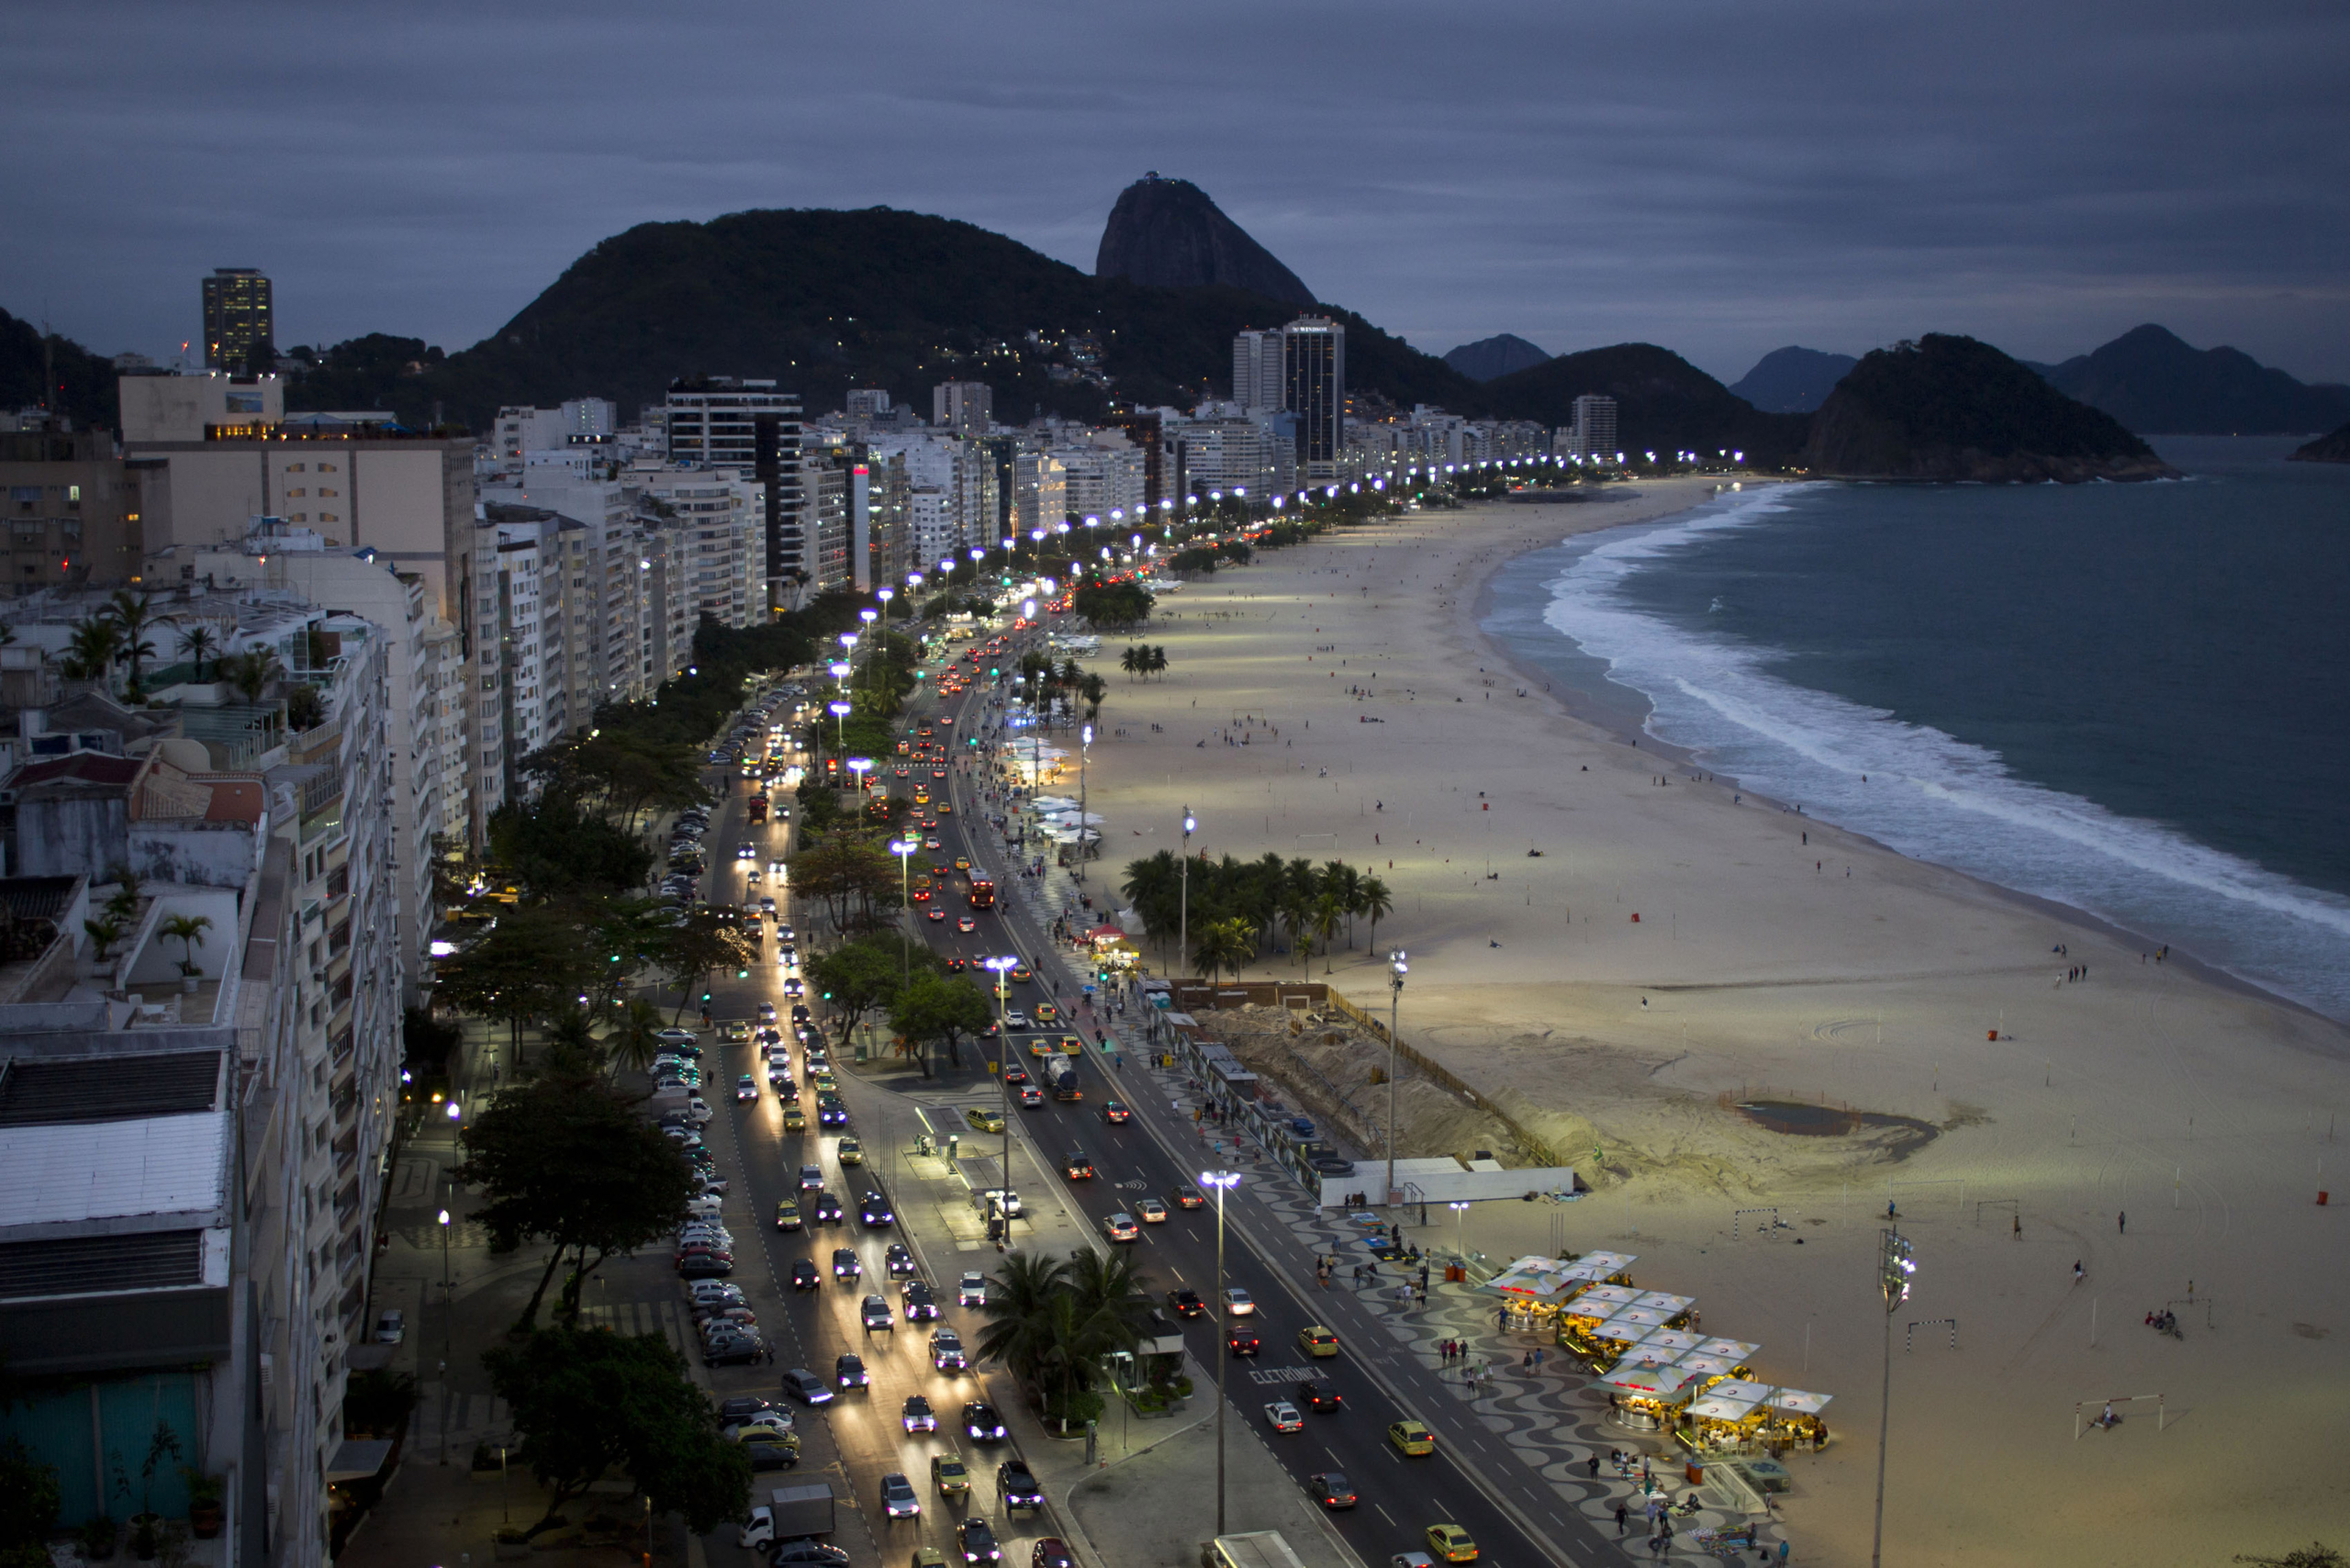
{"points": [[1412, 1438], [794, 1119], [1021, 974], [1072, 1045], [851, 1151], [981, 1119], [946, 1473], [921, 797], [787, 1215], [1450, 1543], [1047, 1013], [1317, 1341], [823, 1082], [962, 863], [1040, 1045]]}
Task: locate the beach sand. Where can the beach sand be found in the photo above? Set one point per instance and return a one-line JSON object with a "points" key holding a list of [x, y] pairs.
{"points": [[1762, 964]]}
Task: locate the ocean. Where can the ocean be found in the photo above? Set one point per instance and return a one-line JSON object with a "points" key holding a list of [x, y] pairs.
{"points": [[2131, 698]]}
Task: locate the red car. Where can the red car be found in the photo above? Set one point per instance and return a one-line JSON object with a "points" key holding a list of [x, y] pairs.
{"points": [[1051, 1551], [1243, 1341]]}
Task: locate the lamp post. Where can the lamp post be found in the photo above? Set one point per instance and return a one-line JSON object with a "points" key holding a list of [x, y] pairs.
{"points": [[449, 1303], [1460, 1231], [1183, 919], [1221, 1181], [1396, 969], [1003, 968], [840, 723], [1895, 1265], [1084, 744], [903, 849]]}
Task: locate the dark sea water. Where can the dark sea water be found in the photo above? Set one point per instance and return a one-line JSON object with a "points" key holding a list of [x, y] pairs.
{"points": [[2134, 699]]}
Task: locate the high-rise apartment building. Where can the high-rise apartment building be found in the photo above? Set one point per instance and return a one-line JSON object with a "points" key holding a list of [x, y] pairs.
{"points": [[1258, 382], [1314, 374], [965, 408], [718, 422], [1592, 436], [238, 334]]}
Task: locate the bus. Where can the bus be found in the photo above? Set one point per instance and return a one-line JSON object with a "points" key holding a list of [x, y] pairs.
{"points": [[982, 893], [759, 808]]}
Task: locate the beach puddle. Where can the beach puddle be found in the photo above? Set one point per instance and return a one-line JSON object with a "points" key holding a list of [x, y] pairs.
{"points": [[1801, 1120]]}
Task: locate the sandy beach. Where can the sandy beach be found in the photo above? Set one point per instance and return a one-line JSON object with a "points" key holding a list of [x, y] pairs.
{"points": [[1772, 955]]}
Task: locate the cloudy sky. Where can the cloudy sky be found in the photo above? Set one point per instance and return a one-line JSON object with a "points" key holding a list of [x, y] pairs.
{"points": [[1721, 178]]}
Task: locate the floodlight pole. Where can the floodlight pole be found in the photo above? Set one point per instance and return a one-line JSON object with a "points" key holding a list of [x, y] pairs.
{"points": [[1893, 1268]]}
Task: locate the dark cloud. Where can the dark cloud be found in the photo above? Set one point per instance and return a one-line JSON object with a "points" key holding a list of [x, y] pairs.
{"points": [[1721, 178]]}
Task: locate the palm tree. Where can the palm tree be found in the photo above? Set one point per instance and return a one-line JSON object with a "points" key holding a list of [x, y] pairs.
{"points": [[1019, 1329], [197, 641], [1220, 945], [1377, 902], [91, 650], [634, 1040], [1346, 882], [250, 672], [133, 614], [1328, 910], [1159, 660], [1131, 661], [188, 930]]}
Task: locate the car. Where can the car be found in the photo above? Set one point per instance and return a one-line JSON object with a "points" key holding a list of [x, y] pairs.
{"points": [[1072, 1044], [795, 1120], [979, 1118], [1323, 1394], [874, 1313], [1150, 1211], [977, 1542], [1237, 1303], [1014, 1018], [1031, 1097], [702, 1265], [830, 1112], [737, 1349], [846, 1266], [948, 1475], [827, 1209], [972, 1290], [805, 1553], [1188, 1198], [848, 1371], [765, 1456], [1450, 1543], [899, 1262], [1121, 1227], [897, 1499], [1411, 1436], [966, 924], [675, 1038], [1186, 1303], [1051, 1551], [982, 1423], [1331, 1489], [767, 1012], [1077, 1166], [772, 1426], [811, 1177], [746, 851], [921, 1305], [1021, 974], [850, 1152], [747, 1088], [1047, 1013], [916, 1416], [874, 1211], [1017, 1487], [936, 913], [1241, 1340], [946, 1352], [391, 1327], [1112, 1112], [749, 1406], [1317, 1341], [1284, 1416], [807, 1387], [956, 964]]}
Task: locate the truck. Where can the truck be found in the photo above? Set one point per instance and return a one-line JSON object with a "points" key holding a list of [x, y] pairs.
{"points": [[1060, 1077], [758, 809], [982, 892], [790, 1513], [1251, 1549]]}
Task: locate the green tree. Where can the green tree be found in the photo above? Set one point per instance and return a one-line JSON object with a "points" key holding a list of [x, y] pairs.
{"points": [[858, 977], [1375, 899], [1220, 945], [533, 964], [188, 929], [90, 652], [942, 1008], [590, 1402], [133, 615], [564, 1159], [634, 1038], [199, 643], [702, 943]]}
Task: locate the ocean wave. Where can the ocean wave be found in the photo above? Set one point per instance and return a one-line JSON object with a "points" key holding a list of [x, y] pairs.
{"points": [[1930, 794]]}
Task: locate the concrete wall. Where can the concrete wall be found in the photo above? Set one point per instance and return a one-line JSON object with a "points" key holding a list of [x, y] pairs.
{"points": [[193, 854], [157, 964], [71, 839]]}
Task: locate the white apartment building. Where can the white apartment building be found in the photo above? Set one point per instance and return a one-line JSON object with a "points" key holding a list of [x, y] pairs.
{"points": [[1228, 453], [749, 427], [1102, 472], [519, 432], [1592, 437], [1258, 384], [718, 511], [963, 408], [1039, 491]]}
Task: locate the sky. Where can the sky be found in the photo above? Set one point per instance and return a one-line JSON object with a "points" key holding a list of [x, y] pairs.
{"points": [[1723, 179]]}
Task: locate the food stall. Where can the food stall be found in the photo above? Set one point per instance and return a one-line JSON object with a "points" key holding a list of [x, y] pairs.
{"points": [[1792, 1419], [1712, 1368], [1579, 1317], [1724, 1418], [1666, 1347], [1600, 1269], [1645, 1399]]}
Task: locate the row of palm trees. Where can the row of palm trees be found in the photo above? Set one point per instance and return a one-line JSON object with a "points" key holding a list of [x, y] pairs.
{"points": [[1237, 908], [119, 633], [1056, 1323], [1143, 659]]}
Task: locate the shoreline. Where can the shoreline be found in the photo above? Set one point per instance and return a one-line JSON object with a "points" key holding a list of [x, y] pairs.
{"points": [[1474, 628]]}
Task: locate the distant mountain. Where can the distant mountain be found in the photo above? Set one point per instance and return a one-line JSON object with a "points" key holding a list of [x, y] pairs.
{"points": [[85, 391], [2156, 385], [1168, 233], [826, 300], [1488, 358], [2335, 448], [1792, 380], [1949, 407], [1663, 402]]}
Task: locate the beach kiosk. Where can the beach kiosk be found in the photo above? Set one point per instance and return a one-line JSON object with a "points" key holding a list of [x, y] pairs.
{"points": [[1648, 1398], [1580, 1318], [1792, 1419], [1725, 1417]]}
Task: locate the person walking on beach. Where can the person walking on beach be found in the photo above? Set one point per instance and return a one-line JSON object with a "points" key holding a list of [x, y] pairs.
{"points": [[2122, 1223], [2077, 1271]]}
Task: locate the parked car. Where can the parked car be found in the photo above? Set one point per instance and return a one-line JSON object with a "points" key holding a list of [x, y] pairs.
{"points": [[391, 1327]]}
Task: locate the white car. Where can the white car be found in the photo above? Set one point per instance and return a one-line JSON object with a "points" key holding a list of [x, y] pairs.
{"points": [[698, 1108], [1016, 1019], [1284, 1416], [1237, 1302], [1121, 1227], [391, 1327], [972, 1291]]}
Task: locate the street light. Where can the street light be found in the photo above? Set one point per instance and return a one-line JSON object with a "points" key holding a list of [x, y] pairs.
{"points": [[903, 849], [840, 723], [1183, 920], [1396, 969], [1460, 1231], [1895, 1265], [1220, 1180], [1084, 744], [1003, 968]]}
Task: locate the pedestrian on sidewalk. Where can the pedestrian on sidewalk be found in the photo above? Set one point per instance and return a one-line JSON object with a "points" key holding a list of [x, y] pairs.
{"points": [[1622, 1513], [1592, 1464]]}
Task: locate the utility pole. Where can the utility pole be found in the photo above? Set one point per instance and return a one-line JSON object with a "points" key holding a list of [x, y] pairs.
{"points": [[1895, 1267]]}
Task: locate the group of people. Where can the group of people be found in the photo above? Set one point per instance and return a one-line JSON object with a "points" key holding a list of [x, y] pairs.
{"points": [[2164, 1321]]}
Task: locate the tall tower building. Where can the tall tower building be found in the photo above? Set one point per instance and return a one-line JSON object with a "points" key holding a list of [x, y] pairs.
{"points": [[717, 421], [238, 335], [965, 407], [1257, 380], [1314, 374], [1593, 434]]}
